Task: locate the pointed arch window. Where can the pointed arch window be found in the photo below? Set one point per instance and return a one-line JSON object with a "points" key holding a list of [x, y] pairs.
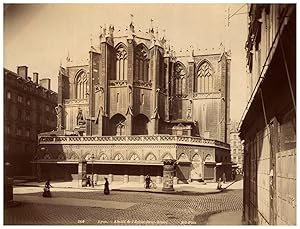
{"points": [[209, 158], [103, 157], [81, 83], [141, 63], [180, 79], [196, 157], [134, 157], [151, 157], [119, 157], [121, 63], [204, 79], [183, 157], [168, 156], [120, 127]]}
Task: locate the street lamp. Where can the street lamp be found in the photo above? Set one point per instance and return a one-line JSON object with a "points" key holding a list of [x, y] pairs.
{"points": [[93, 157]]}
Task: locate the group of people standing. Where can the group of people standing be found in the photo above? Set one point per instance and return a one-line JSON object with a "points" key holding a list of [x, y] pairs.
{"points": [[47, 186]]}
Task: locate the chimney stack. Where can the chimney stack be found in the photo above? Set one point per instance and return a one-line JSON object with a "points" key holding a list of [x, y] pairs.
{"points": [[45, 83], [36, 77], [23, 71]]}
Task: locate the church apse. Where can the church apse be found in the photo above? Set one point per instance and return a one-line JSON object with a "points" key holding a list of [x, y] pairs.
{"points": [[139, 96]]}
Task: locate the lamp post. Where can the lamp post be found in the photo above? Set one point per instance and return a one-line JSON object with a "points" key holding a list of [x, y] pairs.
{"points": [[93, 170]]}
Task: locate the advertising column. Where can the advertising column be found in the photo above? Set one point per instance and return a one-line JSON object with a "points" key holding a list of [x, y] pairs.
{"points": [[82, 172], [168, 173]]}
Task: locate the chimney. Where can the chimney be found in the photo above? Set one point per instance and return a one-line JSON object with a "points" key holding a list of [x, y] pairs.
{"points": [[23, 71], [45, 83], [36, 77]]}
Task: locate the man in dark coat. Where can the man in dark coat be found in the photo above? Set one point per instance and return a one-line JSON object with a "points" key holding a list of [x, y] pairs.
{"points": [[106, 187], [148, 180]]}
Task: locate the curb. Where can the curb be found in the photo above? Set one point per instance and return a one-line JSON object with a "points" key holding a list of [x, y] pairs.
{"points": [[168, 192], [182, 192]]}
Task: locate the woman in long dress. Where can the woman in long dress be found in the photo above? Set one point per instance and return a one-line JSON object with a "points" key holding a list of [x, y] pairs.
{"points": [[106, 187]]}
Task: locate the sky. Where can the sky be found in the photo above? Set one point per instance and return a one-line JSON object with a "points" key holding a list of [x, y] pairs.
{"points": [[40, 36]]}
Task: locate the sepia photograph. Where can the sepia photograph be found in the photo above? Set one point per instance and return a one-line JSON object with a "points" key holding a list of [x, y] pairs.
{"points": [[155, 114]]}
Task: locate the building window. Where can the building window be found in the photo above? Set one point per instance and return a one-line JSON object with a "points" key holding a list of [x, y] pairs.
{"points": [[234, 151], [179, 79], [141, 63], [204, 80], [81, 82], [47, 108], [27, 133], [142, 99], [20, 99], [27, 116], [28, 102], [19, 117], [121, 63], [19, 131], [9, 95], [118, 97]]}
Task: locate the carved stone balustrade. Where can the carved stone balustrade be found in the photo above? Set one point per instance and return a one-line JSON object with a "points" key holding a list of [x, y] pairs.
{"points": [[132, 139]]}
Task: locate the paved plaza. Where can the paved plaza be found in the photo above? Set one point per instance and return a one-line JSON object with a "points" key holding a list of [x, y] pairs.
{"points": [[70, 206]]}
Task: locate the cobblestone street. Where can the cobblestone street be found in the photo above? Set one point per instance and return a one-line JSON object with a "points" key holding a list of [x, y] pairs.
{"points": [[138, 208]]}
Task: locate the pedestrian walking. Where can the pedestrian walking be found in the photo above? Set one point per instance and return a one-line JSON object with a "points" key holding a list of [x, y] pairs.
{"points": [[88, 181], [219, 187], [233, 173], [148, 180], [106, 187], [224, 178]]}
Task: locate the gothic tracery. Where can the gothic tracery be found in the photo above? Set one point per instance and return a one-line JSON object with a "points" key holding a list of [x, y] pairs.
{"points": [[141, 64], [179, 79], [81, 84], [204, 78], [121, 63]]}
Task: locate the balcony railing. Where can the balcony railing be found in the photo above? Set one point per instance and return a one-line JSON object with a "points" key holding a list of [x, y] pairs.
{"points": [[132, 139]]}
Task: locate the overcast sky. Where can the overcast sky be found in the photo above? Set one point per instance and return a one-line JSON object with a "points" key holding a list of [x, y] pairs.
{"points": [[40, 36]]}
